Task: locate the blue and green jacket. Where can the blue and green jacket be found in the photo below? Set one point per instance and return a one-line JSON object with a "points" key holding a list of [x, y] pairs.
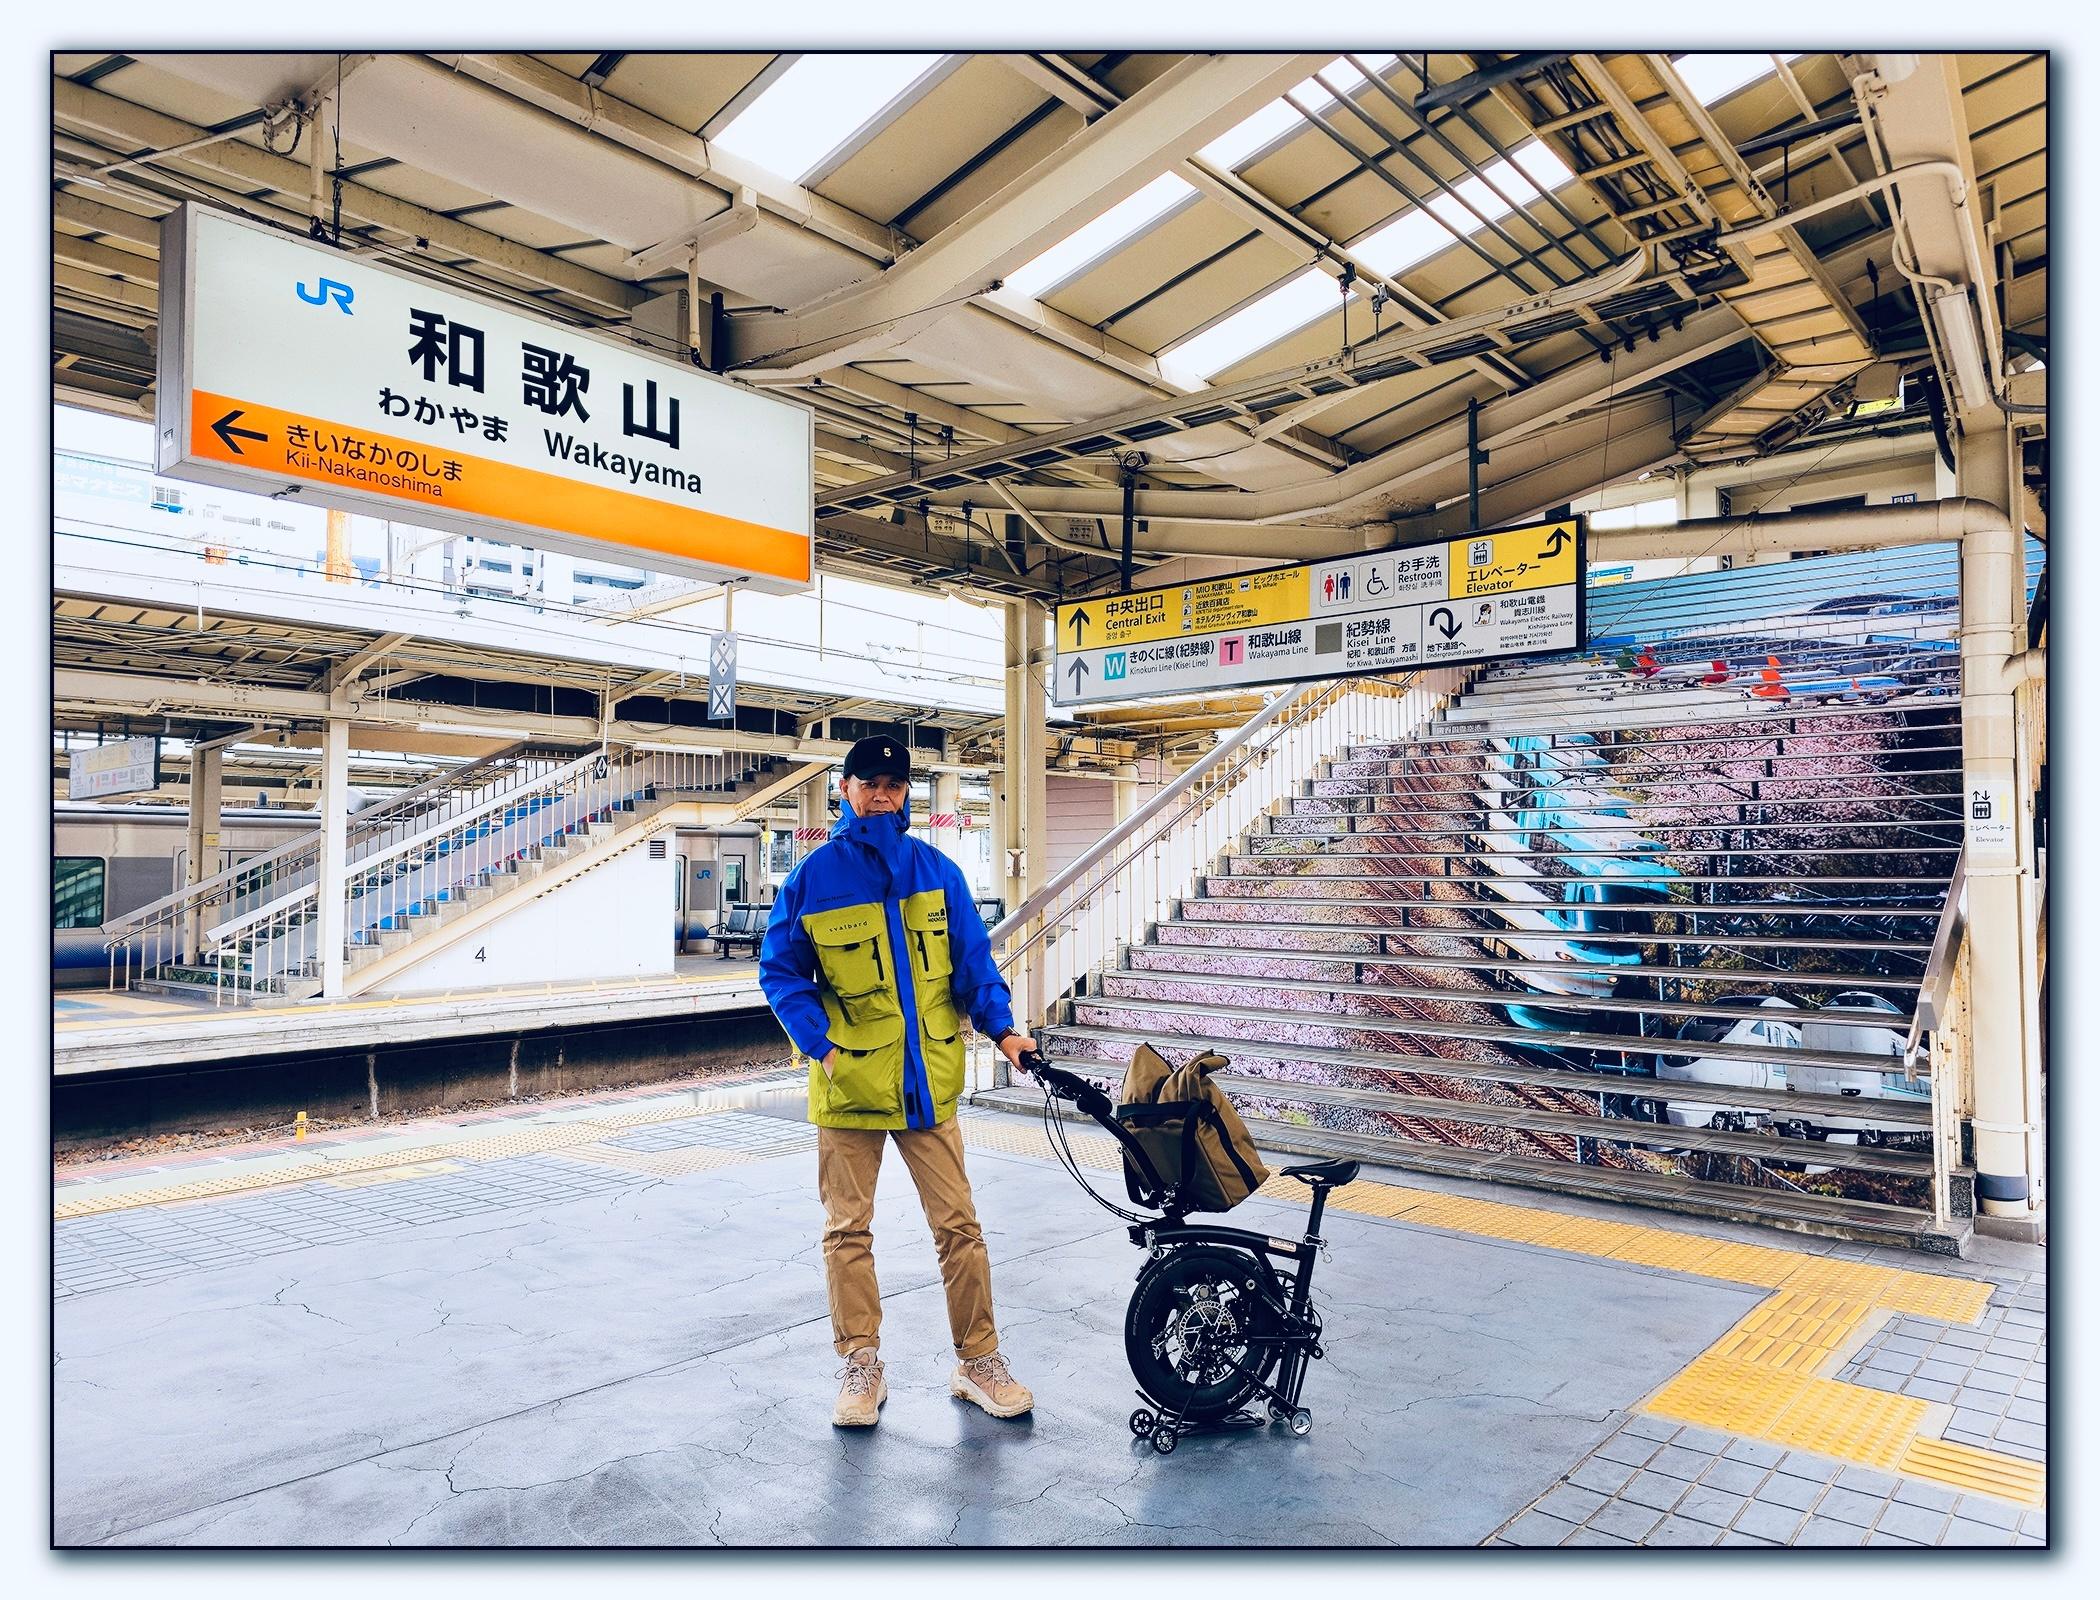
{"points": [[875, 947]]}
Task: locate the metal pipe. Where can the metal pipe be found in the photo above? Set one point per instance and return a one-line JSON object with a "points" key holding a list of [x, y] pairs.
{"points": [[1473, 459], [1860, 528], [1528, 411]]}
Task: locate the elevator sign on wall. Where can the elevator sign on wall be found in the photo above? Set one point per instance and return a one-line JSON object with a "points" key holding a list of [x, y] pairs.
{"points": [[1487, 596], [286, 366]]}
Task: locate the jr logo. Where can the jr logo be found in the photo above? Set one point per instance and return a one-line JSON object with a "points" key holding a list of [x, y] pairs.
{"points": [[325, 290], [1116, 664]]}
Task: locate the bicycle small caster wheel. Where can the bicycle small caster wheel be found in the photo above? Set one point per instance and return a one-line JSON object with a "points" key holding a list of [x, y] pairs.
{"points": [[1141, 1422], [1278, 1413], [1301, 1423], [1319, 1352], [1163, 1441]]}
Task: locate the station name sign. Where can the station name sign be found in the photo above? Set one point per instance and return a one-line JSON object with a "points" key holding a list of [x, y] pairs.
{"points": [[1484, 597], [121, 766], [286, 366]]}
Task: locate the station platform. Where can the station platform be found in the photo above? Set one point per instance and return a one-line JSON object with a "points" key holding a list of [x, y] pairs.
{"points": [[103, 1030], [601, 1321]]}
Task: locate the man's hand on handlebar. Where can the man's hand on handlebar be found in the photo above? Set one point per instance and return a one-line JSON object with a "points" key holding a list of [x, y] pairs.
{"points": [[1016, 1045]]}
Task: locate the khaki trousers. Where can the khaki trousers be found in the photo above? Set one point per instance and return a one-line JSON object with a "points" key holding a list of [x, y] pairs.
{"points": [[848, 1160]]}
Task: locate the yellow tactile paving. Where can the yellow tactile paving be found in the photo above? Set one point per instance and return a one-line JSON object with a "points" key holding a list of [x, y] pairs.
{"points": [[1027, 1139], [1732, 1396], [1973, 1471], [1796, 1330]]}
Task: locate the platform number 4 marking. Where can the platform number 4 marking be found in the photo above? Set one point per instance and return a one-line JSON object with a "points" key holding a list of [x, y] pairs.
{"points": [[482, 954]]}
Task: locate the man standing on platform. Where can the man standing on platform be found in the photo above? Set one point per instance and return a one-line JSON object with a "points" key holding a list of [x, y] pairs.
{"points": [[873, 955]]}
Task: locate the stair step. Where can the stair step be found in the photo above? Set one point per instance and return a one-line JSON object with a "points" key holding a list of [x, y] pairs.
{"points": [[1078, 1044], [1800, 1213]]}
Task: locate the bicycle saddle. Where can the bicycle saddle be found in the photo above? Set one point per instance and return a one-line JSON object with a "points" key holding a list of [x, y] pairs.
{"points": [[1319, 1172]]}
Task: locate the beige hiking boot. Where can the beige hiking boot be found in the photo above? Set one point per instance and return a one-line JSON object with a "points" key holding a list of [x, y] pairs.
{"points": [[986, 1382], [861, 1391]]}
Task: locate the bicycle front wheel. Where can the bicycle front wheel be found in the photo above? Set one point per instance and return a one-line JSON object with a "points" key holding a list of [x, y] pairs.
{"points": [[1195, 1330]]}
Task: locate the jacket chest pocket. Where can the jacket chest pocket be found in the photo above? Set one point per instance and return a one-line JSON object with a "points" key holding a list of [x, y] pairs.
{"points": [[854, 959], [926, 936], [850, 951]]}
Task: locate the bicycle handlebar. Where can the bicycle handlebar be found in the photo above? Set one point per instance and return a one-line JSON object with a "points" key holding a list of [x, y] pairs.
{"points": [[1091, 1102], [1070, 1086]]}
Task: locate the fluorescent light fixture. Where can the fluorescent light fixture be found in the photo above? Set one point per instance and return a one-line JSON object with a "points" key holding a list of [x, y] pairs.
{"points": [[1657, 513], [817, 105], [658, 747], [1107, 232], [1234, 147], [1716, 75], [474, 730], [1283, 310]]}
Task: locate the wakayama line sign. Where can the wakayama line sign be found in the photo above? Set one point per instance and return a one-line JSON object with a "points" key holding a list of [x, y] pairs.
{"points": [[286, 366]]}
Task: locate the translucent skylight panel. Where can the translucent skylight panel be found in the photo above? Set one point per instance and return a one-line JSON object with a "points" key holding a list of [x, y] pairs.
{"points": [[1416, 235], [1284, 309], [1410, 237], [817, 105], [1103, 234], [1236, 145], [1538, 163], [1715, 75]]}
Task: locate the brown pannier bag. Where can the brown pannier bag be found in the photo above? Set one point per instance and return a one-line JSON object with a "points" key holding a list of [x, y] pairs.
{"points": [[1189, 1131]]}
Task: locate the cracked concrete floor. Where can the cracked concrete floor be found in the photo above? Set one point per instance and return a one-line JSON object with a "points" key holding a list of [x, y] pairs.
{"points": [[653, 1367]]}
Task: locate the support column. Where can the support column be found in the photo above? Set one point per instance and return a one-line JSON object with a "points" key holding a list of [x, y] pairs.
{"points": [[2004, 1015], [207, 788], [814, 819], [1126, 787], [947, 819], [338, 568], [335, 824], [1022, 793]]}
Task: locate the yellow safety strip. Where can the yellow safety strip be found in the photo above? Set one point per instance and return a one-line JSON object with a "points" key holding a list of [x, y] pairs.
{"points": [[1768, 1377]]}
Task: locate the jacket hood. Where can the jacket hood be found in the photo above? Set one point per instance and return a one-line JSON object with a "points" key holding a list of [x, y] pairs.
{"points": [[899, 821], [885, 836]]}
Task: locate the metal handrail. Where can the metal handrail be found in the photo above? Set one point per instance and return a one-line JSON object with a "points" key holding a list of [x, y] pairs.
{"points": [[1129, 877], [1930, 1013], [1168, 796], [364, 822], [226, 930]]}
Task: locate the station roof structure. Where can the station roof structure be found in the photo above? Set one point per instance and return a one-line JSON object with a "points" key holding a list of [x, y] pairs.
{"points": [[1246, 301]]}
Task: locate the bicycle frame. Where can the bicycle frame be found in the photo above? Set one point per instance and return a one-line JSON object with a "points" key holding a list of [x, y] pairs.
{"points": [[1291, 1293]]}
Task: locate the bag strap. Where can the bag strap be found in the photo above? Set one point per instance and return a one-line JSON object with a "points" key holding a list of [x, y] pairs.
{"points": [[1210, 1112]]}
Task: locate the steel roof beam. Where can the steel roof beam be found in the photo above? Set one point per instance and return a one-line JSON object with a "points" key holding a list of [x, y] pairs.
{"points": [[109, 116], [1188, 105], [594, 112]]}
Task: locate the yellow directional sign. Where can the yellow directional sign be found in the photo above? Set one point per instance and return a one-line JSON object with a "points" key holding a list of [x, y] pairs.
{"points": [[1538, 557], [1278, 595], [1485, 596]]}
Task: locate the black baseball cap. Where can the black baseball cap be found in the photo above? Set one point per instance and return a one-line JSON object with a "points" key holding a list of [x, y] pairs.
{"points": [[879, 756]]}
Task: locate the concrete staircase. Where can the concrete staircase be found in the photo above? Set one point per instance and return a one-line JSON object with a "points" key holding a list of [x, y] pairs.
{"points": [[427, 896], [1650, 941]]}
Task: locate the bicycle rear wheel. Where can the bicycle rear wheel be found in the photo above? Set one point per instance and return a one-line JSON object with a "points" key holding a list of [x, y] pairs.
{"points": [[1193, 1329]]}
